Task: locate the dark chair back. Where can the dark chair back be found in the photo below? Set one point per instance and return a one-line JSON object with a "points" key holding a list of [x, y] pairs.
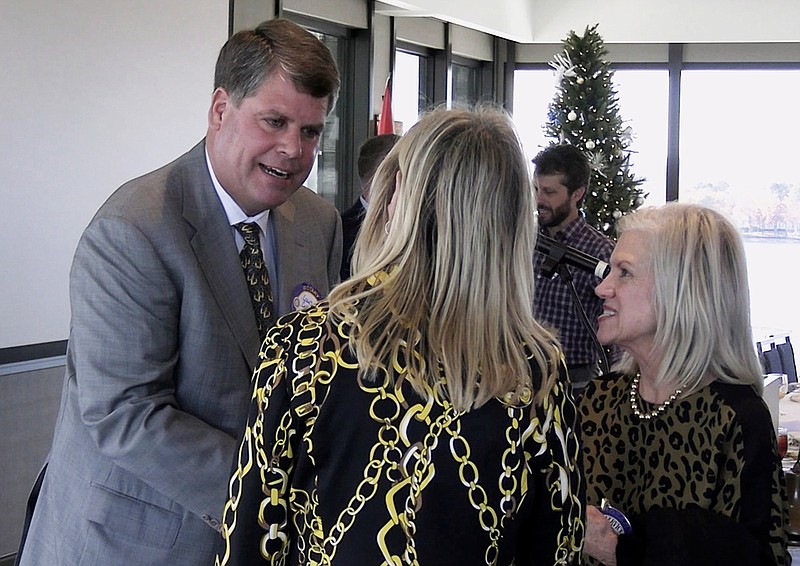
{"points": [[777, 356]]}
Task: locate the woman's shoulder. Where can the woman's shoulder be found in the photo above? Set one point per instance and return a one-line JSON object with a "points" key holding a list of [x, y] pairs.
{"points": [[313, 322], [608, 384], [603, 394], [742, 400], [312, 315]]}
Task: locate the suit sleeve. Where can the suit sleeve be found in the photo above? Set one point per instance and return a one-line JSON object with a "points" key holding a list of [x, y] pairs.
{"points": [[335, 253], [125, 343]]}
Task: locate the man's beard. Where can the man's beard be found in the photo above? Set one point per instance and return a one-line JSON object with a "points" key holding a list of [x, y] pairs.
{"points": [[557, 216]]}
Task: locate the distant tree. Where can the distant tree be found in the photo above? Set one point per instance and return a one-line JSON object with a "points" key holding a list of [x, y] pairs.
{"points": [[779, 216], [714, 195], [757, 219], [585, 113], [780, 190]]}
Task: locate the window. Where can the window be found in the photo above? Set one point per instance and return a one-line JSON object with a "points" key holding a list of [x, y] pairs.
{"points": [[737, 129], [466, 85], [471, 81], [409, 96], [323, 178], [737, 155], [533, 91], [643, 104]]}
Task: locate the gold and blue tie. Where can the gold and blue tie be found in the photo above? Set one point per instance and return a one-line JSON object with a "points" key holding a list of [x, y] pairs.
{"points": [[257, 276]]}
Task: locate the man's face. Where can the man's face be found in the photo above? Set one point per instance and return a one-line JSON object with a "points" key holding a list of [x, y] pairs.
{"points": [[556, 206], [263, 150]]}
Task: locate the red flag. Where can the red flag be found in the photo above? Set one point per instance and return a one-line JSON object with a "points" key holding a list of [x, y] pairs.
{"points": [[386, 121]]}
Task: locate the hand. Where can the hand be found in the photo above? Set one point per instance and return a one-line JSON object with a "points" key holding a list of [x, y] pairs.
{"points": [[601, 540]]}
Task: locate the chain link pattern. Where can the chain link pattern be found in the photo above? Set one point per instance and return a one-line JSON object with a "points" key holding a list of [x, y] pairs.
{"points": [[413, 439]]}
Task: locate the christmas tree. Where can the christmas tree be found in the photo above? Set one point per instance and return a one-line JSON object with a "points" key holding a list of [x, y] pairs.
{"points": [[585, 113]]}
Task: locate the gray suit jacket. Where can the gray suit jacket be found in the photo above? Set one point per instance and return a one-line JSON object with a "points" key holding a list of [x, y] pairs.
{"points": [[162, 346]]}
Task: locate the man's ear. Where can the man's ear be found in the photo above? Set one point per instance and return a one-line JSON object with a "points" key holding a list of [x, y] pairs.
{"points": [[219, 102], [579, 193]]}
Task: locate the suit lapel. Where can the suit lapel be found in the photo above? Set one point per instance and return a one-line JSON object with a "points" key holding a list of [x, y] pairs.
{"points": [[292, 256], [215, 249]]}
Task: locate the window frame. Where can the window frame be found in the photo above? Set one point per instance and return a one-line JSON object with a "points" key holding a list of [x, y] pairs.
{"points": [[352, 109]]}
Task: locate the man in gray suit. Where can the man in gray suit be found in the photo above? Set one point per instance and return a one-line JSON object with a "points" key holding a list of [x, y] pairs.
{"points": [[163, 336]]}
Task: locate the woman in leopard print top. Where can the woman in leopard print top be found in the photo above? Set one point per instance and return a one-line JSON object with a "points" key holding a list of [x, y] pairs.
{"points": [[678, 437]]}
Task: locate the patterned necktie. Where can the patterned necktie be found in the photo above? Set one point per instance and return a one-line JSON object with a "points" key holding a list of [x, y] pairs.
{"points": [[257, 276]]}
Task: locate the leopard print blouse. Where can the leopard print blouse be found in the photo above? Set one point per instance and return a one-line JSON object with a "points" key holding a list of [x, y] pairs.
{"points": [[713, 450]]}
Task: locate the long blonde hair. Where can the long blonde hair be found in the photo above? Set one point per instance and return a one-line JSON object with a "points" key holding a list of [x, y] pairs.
{"points": [[456, 292]]}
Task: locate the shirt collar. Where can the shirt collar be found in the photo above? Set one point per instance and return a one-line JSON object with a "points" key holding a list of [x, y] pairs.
{"points": [[570, 229], [232, 210]]}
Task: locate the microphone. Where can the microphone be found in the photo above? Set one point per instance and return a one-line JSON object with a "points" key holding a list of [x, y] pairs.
{"points": [[558, 252]]}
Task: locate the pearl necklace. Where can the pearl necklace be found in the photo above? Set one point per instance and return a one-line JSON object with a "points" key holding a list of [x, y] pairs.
{"points": [[636, 403]]}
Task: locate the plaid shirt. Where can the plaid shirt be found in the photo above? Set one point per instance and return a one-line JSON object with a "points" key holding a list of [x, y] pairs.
{"points": [[554, 305]]}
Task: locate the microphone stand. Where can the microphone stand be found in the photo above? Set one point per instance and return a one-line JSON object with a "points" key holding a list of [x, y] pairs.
{"points": [[552, 264]]}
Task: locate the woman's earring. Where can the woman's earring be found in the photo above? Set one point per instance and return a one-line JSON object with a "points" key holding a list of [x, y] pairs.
{"points": [[386, 227]]}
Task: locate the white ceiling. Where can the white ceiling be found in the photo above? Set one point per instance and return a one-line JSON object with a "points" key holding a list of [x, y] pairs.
{"points": [[621, 21]]}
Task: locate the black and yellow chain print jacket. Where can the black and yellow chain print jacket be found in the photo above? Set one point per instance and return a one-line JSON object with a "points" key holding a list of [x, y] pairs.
{"points": [[337, 469]]}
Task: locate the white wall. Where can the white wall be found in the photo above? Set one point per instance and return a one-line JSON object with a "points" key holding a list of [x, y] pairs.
{"points": [[94, 92]]}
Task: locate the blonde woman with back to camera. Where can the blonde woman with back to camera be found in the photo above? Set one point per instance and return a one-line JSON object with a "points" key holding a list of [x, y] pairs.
{"points": [[419, 415], [678, 437]]}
